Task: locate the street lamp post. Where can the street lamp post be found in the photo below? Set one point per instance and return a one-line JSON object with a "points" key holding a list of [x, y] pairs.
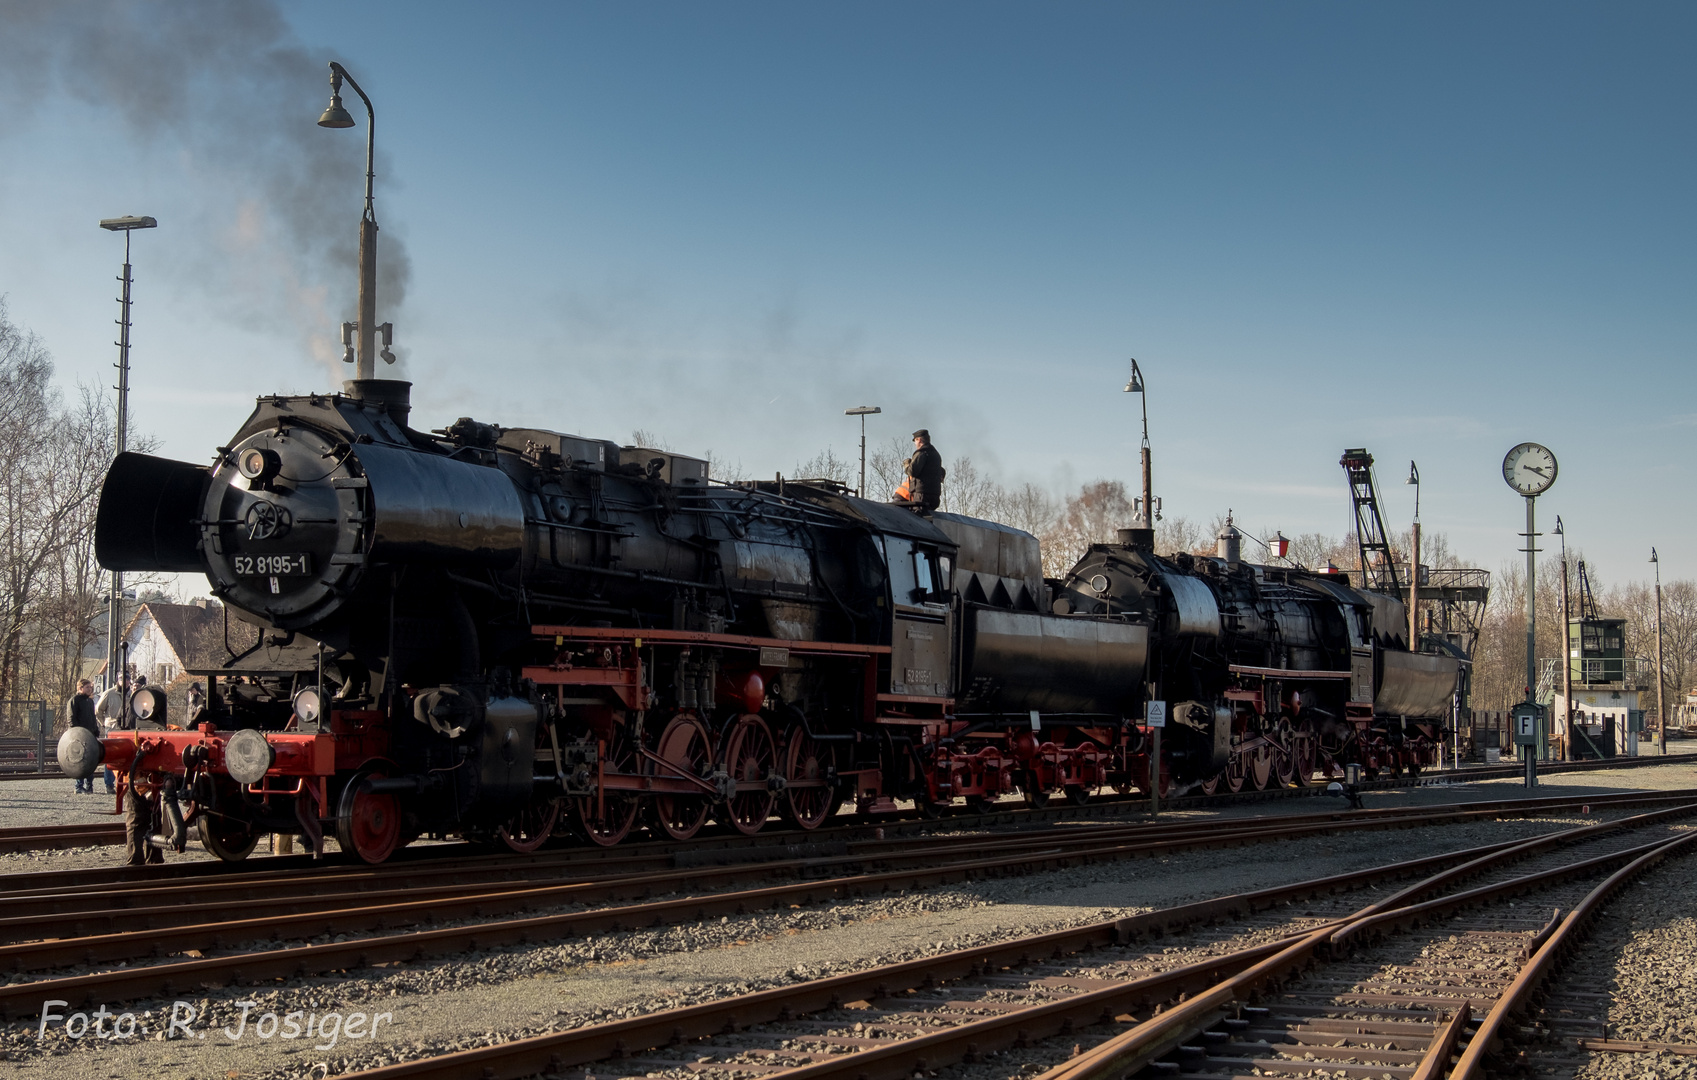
{"points": [[1135, 385], [1566, 652], [1661, 698], [337, 117], [862, 411], [1414, 565], [114, 625]]}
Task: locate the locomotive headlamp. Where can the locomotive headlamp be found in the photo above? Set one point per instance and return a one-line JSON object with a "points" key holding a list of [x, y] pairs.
{"points": [[309, 706], [259, 464], [148, 704]]}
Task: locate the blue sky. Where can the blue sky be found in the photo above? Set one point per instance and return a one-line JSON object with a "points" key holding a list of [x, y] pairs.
{"points": [[1433, 230]]}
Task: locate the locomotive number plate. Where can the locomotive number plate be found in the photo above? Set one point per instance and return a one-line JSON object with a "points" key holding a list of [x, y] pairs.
{"points": [[296, 565]]}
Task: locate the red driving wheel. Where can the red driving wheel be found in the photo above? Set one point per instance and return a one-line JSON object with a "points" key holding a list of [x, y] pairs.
{"points": [[368, 823]]}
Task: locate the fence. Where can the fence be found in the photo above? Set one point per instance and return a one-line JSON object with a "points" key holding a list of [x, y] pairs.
{"points": [[25, 730]]}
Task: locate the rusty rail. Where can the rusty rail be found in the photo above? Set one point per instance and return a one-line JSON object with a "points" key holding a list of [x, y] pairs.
{"points": [[1488, 1039], [558, 1051]]}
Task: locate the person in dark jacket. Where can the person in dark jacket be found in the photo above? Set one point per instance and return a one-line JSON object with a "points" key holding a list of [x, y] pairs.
{"points": [[79, 712], [925, 472]]}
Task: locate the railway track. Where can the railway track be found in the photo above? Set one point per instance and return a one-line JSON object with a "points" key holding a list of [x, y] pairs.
{"points": [[31, 838], [1124, 985], [50, 923], [118, 887], [377, 938], [1395, 992], [53, 837], [376, 918]]}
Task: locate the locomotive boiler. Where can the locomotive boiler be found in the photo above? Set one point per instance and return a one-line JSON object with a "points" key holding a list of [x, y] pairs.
{"points": [[513, 634]]}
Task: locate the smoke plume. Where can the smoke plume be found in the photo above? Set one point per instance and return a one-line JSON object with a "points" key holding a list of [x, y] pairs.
{"points": [[230, 89]]}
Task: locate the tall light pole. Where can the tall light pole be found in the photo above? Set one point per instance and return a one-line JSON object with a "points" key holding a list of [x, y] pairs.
{"points": [[1414, 565], [1135, 385], [1566, 650], [114, 625], [337, 117], [862, 411], [1661, 699]]}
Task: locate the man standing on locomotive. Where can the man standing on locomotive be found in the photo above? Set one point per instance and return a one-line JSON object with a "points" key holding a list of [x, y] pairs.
{"points": [[923, 488]]}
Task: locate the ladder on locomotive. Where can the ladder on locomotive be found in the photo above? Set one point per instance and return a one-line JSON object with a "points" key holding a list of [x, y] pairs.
{"points": [[1378, 563]]}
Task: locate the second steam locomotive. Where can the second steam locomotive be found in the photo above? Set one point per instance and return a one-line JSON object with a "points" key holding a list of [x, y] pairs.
{"points": [[508, 634]]}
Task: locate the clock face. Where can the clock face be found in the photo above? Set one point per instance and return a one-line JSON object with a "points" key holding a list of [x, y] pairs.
{"points": [[1529, 468]]}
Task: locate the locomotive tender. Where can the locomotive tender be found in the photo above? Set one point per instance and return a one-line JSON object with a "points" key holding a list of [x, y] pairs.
{"points": [[509, 633]]}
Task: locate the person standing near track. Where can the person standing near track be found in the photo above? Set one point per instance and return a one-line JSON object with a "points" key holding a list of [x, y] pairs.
{"points": [[109, 710], [79, 712]]}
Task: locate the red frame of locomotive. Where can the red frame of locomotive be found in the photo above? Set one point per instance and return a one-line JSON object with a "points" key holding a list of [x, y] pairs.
{"points": [[994, 760]]}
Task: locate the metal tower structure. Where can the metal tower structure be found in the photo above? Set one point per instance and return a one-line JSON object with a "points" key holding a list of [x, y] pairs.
{"points": [[1378, 563]]}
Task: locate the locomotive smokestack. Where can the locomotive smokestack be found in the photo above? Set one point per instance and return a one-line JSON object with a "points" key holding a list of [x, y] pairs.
{"points": [[393, 396]]}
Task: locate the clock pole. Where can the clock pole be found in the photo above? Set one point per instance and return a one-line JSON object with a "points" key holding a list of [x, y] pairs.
{"points": [[1532, 623], [1530, 481]]}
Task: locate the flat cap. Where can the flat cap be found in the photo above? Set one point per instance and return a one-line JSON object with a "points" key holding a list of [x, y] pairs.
{"points": [[922, 434]]}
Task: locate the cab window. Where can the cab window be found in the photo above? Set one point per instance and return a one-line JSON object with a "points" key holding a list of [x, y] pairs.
{"points": [[916, 577]]}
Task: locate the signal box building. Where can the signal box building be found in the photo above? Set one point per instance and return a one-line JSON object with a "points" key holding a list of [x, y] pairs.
{"points": [[1606, 715]]}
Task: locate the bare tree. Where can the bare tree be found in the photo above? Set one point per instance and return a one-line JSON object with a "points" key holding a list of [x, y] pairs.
{"points": [[45, 484], [53, 460], [886, 466], [968, 491], [826, 465], [724, 470], [1026, 507], [1180, 534]]}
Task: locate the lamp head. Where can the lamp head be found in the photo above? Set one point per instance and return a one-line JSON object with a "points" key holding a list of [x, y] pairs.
{"points": [[336, 116], [1558, 529], [1413, 475], [1135, 384], [1653, 556]]}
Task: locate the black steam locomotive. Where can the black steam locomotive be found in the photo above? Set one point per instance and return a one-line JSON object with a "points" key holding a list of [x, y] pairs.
{"points": [[510, 633]]}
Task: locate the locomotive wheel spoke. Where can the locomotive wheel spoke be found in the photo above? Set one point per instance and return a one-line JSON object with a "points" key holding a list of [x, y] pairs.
{"points": [[1303, 752], [809, 797], [530, 828], [1284, 756], [534, 824], [613, 820], [750, 756], [1237, 770], [686, 746], [1261, 766]]}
